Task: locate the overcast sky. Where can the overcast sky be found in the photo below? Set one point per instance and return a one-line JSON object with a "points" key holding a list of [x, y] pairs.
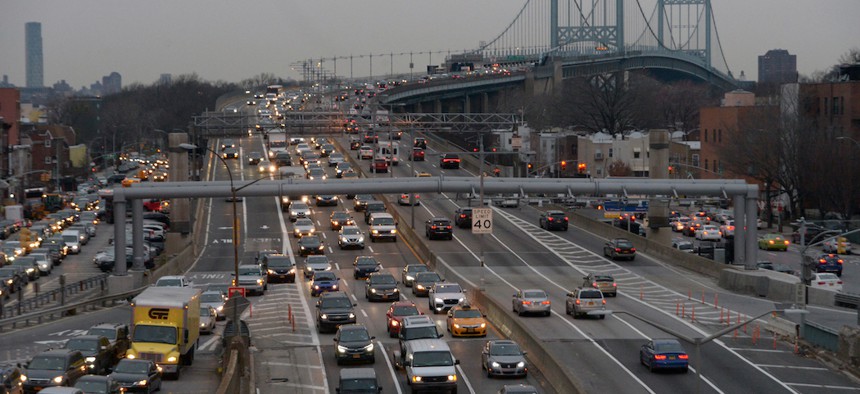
{"points": [[235, 39]]}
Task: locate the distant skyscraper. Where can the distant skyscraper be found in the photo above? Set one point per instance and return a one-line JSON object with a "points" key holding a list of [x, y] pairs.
{"points": [[777, 66], [33, 57], [111, 83]]}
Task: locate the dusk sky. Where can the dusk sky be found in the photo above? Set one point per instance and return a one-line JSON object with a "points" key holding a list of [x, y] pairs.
{"points": [[231, 40]]}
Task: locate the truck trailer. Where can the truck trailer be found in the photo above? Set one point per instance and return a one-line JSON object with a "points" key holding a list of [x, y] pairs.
{"points": [[165, 326]]}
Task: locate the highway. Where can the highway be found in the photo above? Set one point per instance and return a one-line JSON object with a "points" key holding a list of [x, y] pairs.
{"points": [[290, 356]]}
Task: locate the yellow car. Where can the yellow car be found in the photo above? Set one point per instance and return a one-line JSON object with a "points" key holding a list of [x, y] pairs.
{"points": [[423, 175], [465, 321]]}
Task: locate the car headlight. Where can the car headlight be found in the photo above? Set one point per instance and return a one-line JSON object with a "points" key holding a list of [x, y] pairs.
{"points": [[90, 359], [132, 357], [352, 315], [361, 239], [409, 278], [460, 300], [309, 269], [324, 316], [316, 287], [396, 290], [260, 282], [141, 383], [23, 378], [416, 379], [437, 300], [341, 349], [202, 325], [394, 323], [373, 291], [456, 325], [452, 378], [394, 231], [58, 379], [483, 325], [334, 287], [368, 348], [495, 364], [419, 287], [171, 359], [30, 270], [521, 364], [270, 272]]}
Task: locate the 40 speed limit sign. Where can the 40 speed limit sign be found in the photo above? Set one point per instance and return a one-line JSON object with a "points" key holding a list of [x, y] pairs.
{"points": [[482, 221]]}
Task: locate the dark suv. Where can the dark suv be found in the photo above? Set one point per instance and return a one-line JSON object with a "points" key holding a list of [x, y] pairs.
{"points": [[98, 353], [463, 217], [371, 207], [280, 268], [333, 310], [553, 220], [381, 286], [439, 228], [56, 367]]}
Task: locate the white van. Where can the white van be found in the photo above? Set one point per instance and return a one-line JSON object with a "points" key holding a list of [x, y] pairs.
{"points": [[382, 226], [388, 150], [72, 239], [431, 361]]}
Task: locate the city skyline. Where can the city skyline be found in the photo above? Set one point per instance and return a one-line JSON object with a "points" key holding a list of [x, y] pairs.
{"points": [[247, 41]]}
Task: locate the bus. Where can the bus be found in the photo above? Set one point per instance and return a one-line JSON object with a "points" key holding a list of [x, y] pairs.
{"points": [[276, 89]]}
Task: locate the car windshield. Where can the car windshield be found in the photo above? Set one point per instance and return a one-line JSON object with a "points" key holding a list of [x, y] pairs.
{"points": [[205, 311], [281, 262], [467, 313], [104, 332], [366, 262], [405, 311], [335, 302], [168, 283], [211, 297], [354, 335], [827, 276], [428, 277], [417, 268], [432, 359], [309, 241], [157, 334], [251, 271], [624, 244], [47, 364], [603, 278], [325, 275], [318, 260], [505, 350], [91, 387], [590, 294], [304, 222], [132, 367], [340, 216], [383, 221], [298, 206], [448, 288], [358, 385], [534, 294], [420, 332], [89, 345], [382, 280], [351, 231], [668, 347]]}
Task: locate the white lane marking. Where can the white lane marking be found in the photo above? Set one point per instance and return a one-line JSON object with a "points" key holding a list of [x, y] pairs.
{"points": [[390, 367], [310, 386], [210, 342], [370, 248], [337, 266], [363, 313], [826, 386], [465, 379], [740, 349], [793, 367], [353, 297], [324, 237]]}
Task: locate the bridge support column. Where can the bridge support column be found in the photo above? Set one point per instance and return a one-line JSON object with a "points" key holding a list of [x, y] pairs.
{"points": [[740, 232], [467, 104], [180, 211], [437, 106], [751, 240], [485, 103], [137, 234]]}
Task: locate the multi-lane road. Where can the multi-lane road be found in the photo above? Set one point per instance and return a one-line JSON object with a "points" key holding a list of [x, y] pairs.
{"points": [[290, 356]]}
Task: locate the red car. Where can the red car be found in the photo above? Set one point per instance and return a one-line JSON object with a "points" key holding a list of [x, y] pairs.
{"points": [[379, 165], [396, 312], [417, 154]]}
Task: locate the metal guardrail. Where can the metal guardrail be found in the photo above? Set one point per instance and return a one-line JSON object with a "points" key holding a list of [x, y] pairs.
{"points": [[66, 310], [849, 300], [59, 294]]}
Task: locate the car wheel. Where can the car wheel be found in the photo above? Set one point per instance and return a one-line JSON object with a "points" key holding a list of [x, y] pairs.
{"points": [[602, 317], [567, 309]]}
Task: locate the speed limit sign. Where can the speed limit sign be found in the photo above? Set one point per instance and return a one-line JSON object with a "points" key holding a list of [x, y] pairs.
{"points": [[482, 221]]}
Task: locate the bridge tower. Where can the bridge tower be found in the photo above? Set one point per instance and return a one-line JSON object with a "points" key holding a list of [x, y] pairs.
{"points": [[683, 22], [596, 22]]}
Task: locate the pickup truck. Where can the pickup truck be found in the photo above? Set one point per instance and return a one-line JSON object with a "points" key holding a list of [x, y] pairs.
{"points": [[116, 333]]}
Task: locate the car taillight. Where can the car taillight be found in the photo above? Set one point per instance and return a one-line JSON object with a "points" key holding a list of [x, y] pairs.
{"points": [[433, 227], [838, 282], [659, 356], [527, 302], [614, 284], [786, 243], [820, 283], [632, 249], [577, 302], [604, 302], [549, 219], [683, 356], [617, 250], [448, 227], [594, 284], [840, 261], [565, 218], [547, 301], [462, 216]]}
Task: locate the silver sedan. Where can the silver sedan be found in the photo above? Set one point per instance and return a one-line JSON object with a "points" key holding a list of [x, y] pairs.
{"points": [[531, 301], [304, 227]]}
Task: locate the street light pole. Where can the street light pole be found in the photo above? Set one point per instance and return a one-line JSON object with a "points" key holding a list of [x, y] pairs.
{"points": [[233, 190]]}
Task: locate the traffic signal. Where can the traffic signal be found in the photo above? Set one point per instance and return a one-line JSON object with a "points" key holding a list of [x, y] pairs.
{"points": [[581, 168], [671, 170], [529, 165], [563, 165]]}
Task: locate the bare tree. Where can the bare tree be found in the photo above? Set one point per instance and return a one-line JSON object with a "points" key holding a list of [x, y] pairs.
{"points": [[619, 168]]}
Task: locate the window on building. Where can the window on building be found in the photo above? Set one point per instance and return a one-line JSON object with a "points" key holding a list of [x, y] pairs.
{"points": [[720, 136], [637, 153], [706, 164], [610, 152], [826, 103], [706, 135], [713, 136], [47, 159], [695, 160], [48, 143]]}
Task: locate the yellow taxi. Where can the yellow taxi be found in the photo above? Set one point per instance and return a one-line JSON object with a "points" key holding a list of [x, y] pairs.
{"points": [[423, 174], [466, 321]]}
